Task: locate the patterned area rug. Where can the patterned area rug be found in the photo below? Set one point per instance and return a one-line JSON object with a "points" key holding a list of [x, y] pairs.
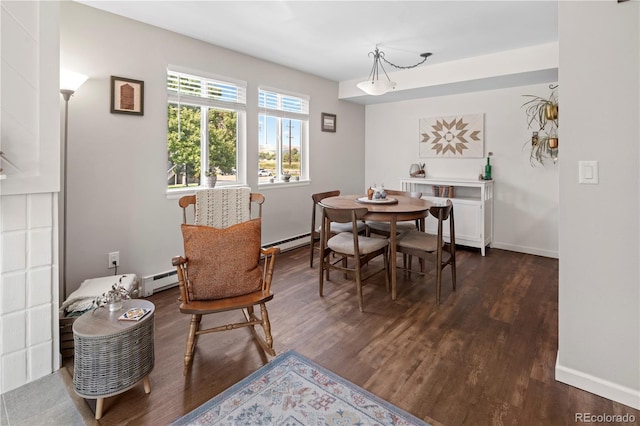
{"points": [[292, 390]]}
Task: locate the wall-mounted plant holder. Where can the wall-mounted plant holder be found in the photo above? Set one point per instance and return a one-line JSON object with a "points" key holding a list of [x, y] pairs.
{"points": [[542, 116]]}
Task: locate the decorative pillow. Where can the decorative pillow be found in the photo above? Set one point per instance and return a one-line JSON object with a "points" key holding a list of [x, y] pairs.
{"points": [[223, 262]]}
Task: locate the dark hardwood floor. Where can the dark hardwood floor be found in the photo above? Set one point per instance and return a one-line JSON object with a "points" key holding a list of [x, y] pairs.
{"points": [[485, 356]]}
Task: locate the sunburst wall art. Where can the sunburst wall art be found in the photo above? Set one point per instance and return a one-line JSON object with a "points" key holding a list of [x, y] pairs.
{"points": [[458, 136]]}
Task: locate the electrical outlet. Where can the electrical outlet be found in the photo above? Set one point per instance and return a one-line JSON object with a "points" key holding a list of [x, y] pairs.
{"points": [[114, 256]]}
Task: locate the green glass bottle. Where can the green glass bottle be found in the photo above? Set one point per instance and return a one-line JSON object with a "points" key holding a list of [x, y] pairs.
{"points": [[487, 169]]}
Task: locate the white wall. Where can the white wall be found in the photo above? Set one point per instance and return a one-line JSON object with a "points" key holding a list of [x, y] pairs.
{"points": [[28, 197], [599, 298], [117, 163], [525, 197]]}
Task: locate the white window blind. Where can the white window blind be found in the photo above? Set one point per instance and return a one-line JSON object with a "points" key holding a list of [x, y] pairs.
{"points": [[283, 105], [185, 88]]}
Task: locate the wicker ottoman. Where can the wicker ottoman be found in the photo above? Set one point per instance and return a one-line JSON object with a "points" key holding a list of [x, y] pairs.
{"points": [[111, 355]]}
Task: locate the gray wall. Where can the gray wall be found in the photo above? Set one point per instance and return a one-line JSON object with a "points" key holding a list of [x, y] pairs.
{"points": [[117, 163], [599, 314]]}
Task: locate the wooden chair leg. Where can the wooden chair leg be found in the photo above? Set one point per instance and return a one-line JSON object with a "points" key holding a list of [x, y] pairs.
{"points": [[452, 265], [344, 265], [312, 246], [266, 325], [266, 342], [387, 281], [315, 238], [194, 326], [321, 277], [359, 288]]}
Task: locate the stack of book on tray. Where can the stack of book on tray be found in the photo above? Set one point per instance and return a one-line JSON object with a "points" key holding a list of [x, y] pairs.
{"points": [[134, 314]]}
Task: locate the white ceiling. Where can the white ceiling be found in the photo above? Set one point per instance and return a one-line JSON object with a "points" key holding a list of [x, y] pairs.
{"points": [[332, 39]]}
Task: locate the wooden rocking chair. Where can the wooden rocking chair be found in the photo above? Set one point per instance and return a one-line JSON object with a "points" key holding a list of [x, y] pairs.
{"points": [[222, 271]]}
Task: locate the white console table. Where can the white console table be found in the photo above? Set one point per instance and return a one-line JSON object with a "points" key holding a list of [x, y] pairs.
{"points": [[472, 205]]}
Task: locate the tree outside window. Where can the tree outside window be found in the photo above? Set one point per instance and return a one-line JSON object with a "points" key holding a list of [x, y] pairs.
{"points": [[202, 134]]}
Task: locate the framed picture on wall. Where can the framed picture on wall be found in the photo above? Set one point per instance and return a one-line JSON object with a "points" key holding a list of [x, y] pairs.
{"points": [[127, 96], [456, 136], [328, 122]]}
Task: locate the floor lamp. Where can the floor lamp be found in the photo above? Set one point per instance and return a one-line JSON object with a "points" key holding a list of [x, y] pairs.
{"points": [[69, 83]]}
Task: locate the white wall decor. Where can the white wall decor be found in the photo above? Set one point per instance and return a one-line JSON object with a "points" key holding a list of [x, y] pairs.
{"points": [[458, 136]]}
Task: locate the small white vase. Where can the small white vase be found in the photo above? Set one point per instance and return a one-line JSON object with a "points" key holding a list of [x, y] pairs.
{"points": [[210, 181]]}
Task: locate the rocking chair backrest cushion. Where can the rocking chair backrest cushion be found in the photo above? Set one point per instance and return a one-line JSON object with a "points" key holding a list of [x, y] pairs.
{"points": [[223, 262]]}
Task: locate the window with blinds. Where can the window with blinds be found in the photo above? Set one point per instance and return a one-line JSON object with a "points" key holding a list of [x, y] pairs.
{"points": [[283, 136], [205, 130], [188, 88]]}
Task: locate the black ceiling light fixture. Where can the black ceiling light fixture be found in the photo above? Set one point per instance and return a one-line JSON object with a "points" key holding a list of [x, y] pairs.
{"points": [[376, 86]]}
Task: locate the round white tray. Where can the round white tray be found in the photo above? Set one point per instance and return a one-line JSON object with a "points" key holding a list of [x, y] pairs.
{"points": [[387, 200]]}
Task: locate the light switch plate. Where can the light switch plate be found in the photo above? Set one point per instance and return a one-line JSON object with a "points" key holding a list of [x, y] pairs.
{"points": [[588, 172]]}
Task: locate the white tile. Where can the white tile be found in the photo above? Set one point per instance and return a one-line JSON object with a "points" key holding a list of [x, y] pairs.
{"points": [[39, 325], [13, 292], [14, 370], [40, 210], [39, 286], [40, 246], [14, 213], [40, 360], [14, 251], [13, 332]]}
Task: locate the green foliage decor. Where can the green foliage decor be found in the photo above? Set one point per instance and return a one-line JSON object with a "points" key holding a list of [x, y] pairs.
{"points": [[542, 117], [183, 140]]}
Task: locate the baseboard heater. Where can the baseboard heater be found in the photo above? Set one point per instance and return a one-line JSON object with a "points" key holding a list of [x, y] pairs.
{"points": [[164, 280], [291, 243], [158, 282]]}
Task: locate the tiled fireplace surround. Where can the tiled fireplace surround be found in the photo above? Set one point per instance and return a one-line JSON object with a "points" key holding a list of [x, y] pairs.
{"points": [[28, 287]]}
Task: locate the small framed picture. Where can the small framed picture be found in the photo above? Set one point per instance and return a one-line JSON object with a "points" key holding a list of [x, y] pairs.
{"points": [[127, 96], [328, 122]]}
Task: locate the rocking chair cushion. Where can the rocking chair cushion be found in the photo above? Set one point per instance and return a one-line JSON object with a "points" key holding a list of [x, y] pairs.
{"points": [[223, 262]]}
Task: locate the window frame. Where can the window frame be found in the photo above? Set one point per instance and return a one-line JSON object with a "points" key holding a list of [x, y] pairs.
{"points": [[281, 114], [206, 104]]}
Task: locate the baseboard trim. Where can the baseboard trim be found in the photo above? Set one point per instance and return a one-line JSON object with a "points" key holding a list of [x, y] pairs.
{"points": [[526, 250], [598, 386]]}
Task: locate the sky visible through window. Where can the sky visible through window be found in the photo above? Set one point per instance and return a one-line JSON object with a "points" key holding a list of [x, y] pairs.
{"points": [[280, 137]]}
